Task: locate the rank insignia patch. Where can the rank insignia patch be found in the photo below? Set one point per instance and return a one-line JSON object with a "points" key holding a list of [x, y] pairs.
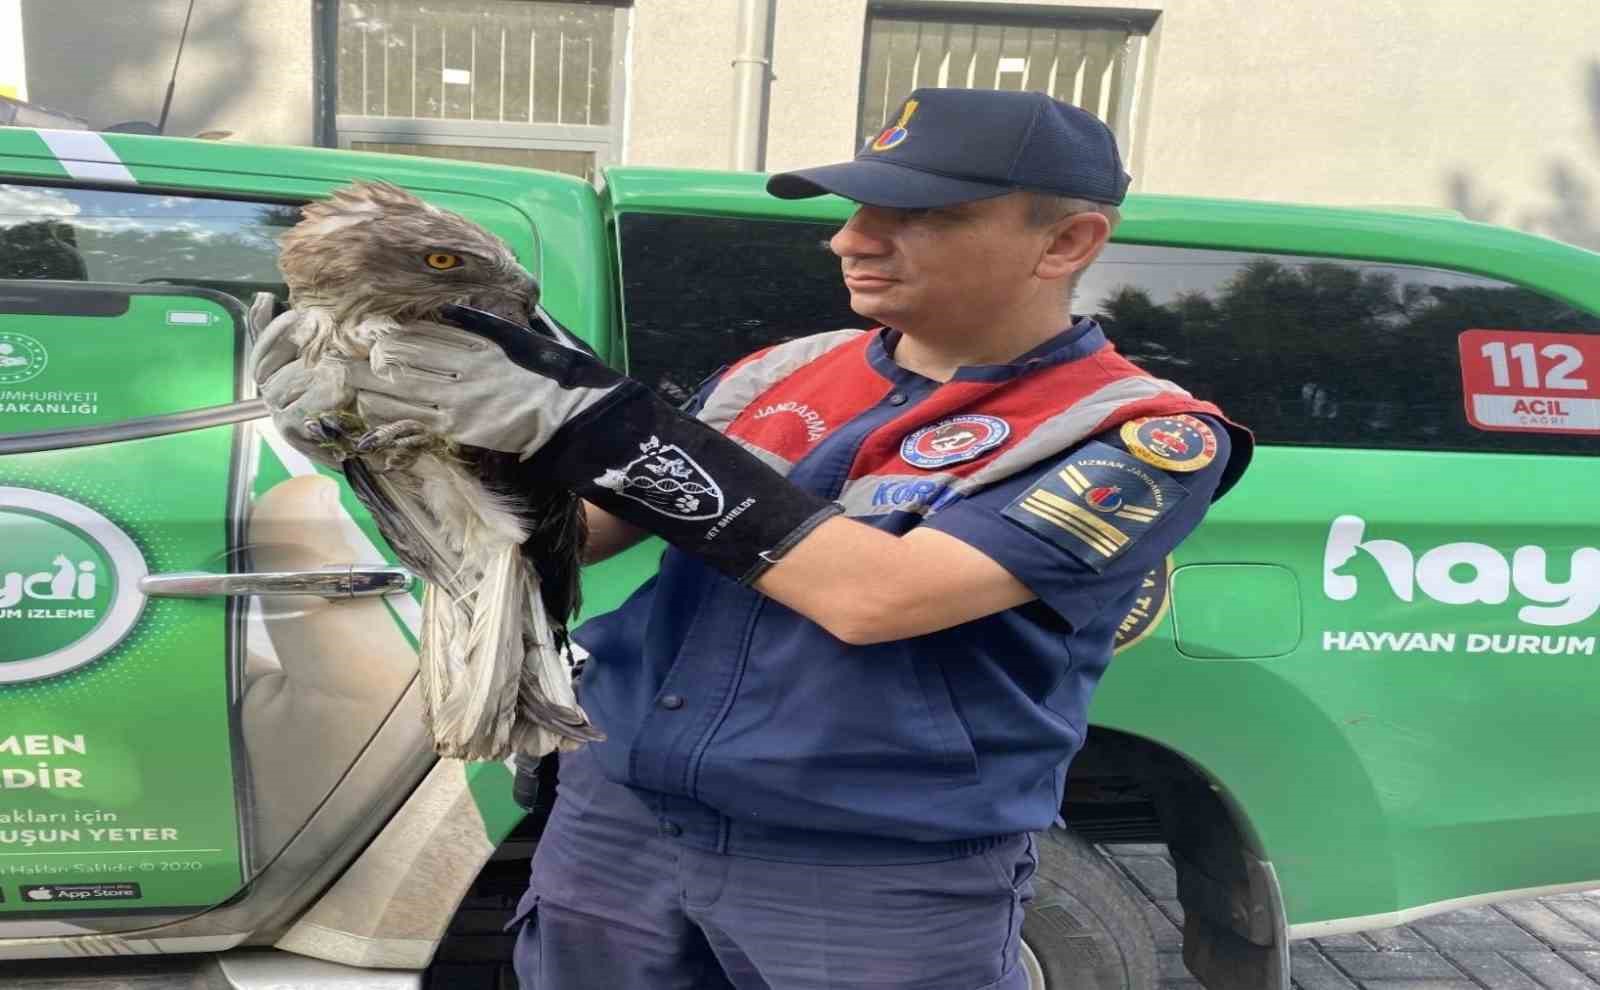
{"points": [[1097, 503], [1173, 443]]}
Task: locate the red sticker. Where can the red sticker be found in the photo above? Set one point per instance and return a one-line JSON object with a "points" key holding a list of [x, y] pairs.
{"points": [[1527, 382]]}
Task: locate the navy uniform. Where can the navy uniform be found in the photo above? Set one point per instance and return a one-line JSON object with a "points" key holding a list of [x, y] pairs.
{"points": [[743, 738]]}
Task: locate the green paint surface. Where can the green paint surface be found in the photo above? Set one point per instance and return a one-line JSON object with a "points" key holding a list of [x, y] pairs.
{"points": [[117, 773]]}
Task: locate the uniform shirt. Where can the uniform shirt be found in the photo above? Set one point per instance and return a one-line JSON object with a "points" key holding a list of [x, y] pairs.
{"points": [[753, 731]]}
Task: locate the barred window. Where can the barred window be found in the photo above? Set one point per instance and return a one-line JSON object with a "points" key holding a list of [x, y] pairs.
{"points": [[525, 82]]}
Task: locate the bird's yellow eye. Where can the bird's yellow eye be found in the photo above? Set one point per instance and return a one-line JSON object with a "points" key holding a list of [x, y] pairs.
{"points": [[439, 261]]}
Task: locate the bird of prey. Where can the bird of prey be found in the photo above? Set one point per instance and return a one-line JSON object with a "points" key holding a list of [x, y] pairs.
{"points": [[368, 272]]}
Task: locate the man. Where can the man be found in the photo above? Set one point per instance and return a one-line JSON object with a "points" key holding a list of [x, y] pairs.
{"points": [[848, 698]]}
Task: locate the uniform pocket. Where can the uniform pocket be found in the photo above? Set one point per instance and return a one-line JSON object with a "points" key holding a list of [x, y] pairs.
{"points": [[1014, 862], [949, 733]]}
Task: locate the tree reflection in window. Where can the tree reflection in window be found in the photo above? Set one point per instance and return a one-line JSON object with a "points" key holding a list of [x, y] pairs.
{"points": [[101, 235], [1317, 351]]}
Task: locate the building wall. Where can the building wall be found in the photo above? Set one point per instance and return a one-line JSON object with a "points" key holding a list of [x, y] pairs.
{"points": [[1481, 105], [247, 66], [1447, 102], [680, 82]]}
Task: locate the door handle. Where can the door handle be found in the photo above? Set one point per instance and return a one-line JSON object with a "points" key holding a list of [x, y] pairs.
{"points": [[349, 581]]}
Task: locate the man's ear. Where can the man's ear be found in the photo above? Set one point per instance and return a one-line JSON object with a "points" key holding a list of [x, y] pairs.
{"points": [[1074, 243]]}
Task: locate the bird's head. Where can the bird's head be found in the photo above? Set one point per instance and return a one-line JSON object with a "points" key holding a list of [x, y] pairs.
{"points": [[373, 249]]}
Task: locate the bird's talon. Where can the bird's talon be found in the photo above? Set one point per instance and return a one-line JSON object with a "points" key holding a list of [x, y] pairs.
{"points": [[325, 428], [405, 433]]}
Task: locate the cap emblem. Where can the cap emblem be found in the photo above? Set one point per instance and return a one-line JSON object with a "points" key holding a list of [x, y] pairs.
{"points": [[892, 136]]}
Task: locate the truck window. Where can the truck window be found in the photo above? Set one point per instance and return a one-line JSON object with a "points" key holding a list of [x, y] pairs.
{"points": [[99, 235], [1304, 350], [1323, 351], [701, 292]]}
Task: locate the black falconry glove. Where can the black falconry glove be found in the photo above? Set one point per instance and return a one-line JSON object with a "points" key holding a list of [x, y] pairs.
{"points": [[542, 395]]}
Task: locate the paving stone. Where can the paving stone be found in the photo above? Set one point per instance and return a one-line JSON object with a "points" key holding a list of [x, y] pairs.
{"points": [[1589, 961], [1552, 943], [1353, 942], [1401, 939], [1312, 970], [1552, 971], [1493, 970], [1467, 938], [1548, 926], [1581, 911], [1154, 876], [1479, 915], [1364, 966]]}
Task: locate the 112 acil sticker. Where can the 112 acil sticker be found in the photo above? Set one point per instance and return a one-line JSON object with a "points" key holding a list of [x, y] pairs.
{"points": [[1531, 382]]}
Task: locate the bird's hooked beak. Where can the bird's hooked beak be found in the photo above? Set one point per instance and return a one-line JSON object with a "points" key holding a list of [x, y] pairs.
{"points": [[519, 304]]}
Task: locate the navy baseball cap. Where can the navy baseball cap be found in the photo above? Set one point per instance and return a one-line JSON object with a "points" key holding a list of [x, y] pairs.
{"points": [[951, 146]]}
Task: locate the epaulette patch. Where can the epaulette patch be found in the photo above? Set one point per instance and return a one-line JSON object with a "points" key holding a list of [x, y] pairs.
{"points": [[1096, 503]]}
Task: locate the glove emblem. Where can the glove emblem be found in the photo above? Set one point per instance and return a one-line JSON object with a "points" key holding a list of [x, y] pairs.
{"points": [[668, 480]]}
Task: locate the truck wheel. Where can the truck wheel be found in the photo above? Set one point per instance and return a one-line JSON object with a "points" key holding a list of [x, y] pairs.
{"points": [[1085, 929]]}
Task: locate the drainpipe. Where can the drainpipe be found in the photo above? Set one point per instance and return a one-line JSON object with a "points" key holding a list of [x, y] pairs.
{"points": [[752, 75]]}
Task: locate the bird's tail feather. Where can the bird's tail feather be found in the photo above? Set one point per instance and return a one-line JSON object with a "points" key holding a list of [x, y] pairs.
{"points": [[545, 695], [482, 608], [476, 710]]}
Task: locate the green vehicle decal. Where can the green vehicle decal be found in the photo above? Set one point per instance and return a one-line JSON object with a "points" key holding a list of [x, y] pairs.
{"points": [[116, 756]]}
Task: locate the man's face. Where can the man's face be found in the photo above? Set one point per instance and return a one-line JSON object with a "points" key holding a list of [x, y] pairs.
{"points": [[944, 269]]}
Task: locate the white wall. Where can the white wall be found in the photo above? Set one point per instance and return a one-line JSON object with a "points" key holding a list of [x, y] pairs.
{"points": [[1384, 101], [680, 85], [1473, 104], [247, 66], [1485, 105]]}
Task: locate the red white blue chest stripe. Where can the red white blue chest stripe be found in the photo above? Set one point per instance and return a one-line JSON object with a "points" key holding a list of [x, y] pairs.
{"points": [[784, 403]]}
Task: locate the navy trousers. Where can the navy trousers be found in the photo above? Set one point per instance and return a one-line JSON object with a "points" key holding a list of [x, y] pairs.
{"points": [[615, 905]]}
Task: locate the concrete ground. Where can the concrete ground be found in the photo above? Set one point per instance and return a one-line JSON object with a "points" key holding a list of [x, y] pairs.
{"points": [[1546, 943]]}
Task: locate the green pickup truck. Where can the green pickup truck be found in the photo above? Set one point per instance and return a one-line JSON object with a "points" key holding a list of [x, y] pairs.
{"points": [[1358, 695]]}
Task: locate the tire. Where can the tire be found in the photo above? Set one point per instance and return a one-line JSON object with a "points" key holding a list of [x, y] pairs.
{"points": [[1085, 929]]}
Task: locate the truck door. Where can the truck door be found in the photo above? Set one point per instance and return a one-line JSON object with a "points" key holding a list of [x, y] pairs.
{"points": [[199, 630]]}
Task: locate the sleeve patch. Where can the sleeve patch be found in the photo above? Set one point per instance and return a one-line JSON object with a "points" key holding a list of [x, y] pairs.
{"points": [[1172, 443], [1096, 503]]}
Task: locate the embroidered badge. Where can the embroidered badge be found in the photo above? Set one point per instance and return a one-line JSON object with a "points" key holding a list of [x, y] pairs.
{"points": [[893, 136], [953, 440], [1173, 443], [668, 481], [1096, 504]]}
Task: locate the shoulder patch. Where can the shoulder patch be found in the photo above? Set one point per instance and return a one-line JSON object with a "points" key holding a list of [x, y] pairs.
{"points": [[1096, 503], [1173, 443]]}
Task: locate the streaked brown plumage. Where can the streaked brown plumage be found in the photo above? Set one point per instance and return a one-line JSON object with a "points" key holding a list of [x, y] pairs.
{"points": [[502, 567]]}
